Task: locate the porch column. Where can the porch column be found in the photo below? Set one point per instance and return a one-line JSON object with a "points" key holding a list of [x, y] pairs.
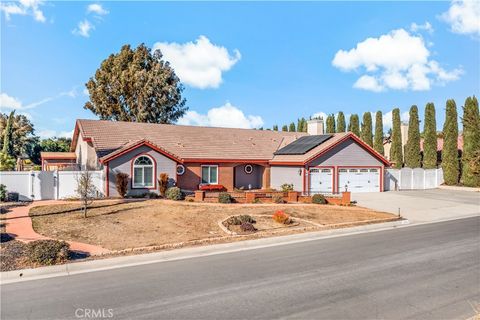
{"points": [[266, 177]]}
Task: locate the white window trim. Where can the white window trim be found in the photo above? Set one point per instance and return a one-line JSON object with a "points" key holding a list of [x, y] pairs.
{"points": [[201, 173], [143, 185]]}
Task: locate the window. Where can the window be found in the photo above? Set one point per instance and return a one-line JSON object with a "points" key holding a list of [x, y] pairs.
{"points": [[143, 172], [210, 174], [180, 169], [353, 170], [373, 170], [363, 170], [248, 169], [326, 170], [342, 170]]}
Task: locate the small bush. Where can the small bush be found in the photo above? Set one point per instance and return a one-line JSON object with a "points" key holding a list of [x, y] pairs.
{"points": [[163, 184], [281, 217], [12, 196], [287, 187], [3, 192], [277, 198], [121, 183], [225, 197], [238, 220], [174, 193], [319, 199], [247, 227], [152, 195], [47, 252], [257, 200]]}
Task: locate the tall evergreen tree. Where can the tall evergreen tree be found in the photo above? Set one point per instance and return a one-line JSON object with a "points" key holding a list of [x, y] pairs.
{"points": [[471, 143], [353, 125], [291, 128], [430, 138], [396, 154], [330, 124], [413, 157], [299, 125], [450, 163], [275, 127], [378, 140], [8, 136], [366, 133], [341, 126], [304, 128], [284, 127]]}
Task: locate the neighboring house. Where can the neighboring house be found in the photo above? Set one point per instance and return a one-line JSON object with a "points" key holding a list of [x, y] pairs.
{"points": [[235, 158], [58, 161]]}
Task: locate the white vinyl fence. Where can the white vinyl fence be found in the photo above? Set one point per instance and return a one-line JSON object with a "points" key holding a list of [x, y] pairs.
{"points": [[47, 185], [412, 179]]}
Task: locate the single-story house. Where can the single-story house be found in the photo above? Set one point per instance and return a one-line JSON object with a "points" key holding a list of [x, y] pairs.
{"points": [[192, 156]]}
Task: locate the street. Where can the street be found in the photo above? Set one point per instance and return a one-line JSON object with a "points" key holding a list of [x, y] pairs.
{"points": [[421, 272]]}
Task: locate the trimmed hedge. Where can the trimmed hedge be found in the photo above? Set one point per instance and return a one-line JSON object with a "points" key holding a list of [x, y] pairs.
{"points": [[225, 197], [319, 199], [174, 193]]}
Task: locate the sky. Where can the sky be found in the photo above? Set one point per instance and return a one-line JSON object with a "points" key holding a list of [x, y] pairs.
{"points": [[247, 65]]}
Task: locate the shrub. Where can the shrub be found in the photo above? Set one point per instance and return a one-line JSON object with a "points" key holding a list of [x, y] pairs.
{"points": [[257, 200], [174, 193], [277, 198], [3, 192], [281, 217], [163, 183], [287, 187], [47, 252], [224, 197], [12, 196], [121, 183], [247, 227], [238, 220], [319, 199], [152, 195]]}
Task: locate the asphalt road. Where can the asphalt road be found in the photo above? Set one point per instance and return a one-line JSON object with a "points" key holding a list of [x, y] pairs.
{"points": [[420, 272]]}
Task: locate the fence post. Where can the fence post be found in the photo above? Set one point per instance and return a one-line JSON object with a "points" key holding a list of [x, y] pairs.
{"points": [[56, 183], [30, 184], [424, 179], [399, 179]]}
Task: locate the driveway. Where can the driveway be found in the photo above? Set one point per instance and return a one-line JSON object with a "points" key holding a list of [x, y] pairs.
{"points": [[423, 205]]}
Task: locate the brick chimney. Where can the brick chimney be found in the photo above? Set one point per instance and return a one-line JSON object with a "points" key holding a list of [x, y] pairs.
{"points": [[315, 126]]}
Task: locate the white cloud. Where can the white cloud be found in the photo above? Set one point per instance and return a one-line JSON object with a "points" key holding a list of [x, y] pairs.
{"points": [[463, 16], [227, 116], [421, 27], [83, 28], [199, 64], [97, 9], [7, 102], [397, 60], [23, 7], [387, 119], [48, 133]]}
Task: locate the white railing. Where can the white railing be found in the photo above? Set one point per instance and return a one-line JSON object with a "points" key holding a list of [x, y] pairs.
{"points": [[412, 179]]}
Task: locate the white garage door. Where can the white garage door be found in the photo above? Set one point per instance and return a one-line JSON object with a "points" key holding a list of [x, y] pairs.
{"points": [[321, 180], [359, 179]]}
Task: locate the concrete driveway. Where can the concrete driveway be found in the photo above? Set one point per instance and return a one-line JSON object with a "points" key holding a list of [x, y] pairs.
{"points": [[423, 205]]}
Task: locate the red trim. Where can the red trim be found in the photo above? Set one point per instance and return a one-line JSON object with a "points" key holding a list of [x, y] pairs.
{"points": [[363, 167], [60, 158], [142, 143], [107, 181], [322, 167], [154, 171], [216, 161], [87, 139], [286, 163], [304, 179]]}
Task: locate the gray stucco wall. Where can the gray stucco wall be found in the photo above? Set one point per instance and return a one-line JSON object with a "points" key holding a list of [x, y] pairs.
{"points": [[347, 153], [124, 164], [286, 174], [243, 179]]}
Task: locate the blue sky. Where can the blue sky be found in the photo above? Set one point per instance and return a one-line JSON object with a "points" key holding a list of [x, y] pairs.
{"points": [[245, 64]]}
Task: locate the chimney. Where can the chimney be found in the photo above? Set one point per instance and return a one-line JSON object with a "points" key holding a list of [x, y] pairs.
{"points": [[315, 126]]}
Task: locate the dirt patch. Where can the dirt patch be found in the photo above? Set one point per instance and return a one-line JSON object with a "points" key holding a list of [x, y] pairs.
{"points": [[12, 252], [118, 225]]}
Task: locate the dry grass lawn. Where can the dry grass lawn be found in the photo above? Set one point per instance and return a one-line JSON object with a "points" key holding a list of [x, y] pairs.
{"points": [[120, 225]]}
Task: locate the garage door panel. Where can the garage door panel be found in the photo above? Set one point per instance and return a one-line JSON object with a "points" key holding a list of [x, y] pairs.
{"points": [[359, 179], [321, 180]]}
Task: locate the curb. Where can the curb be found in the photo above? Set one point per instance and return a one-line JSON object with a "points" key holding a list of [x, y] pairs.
{"points": [[187, 253]]}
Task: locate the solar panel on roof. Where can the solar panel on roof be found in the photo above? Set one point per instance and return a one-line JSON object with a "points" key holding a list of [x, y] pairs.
{"points": [[303, 144]]}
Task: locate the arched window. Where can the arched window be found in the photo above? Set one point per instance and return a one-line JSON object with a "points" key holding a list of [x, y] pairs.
{"points": [[143, 172]]}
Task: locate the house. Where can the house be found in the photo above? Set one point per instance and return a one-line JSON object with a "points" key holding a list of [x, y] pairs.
{"points": [[52, 161], [192, 156]]}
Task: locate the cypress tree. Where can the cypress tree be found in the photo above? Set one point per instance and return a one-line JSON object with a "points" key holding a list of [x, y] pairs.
{"points": [[450, 165], [304, 125], [8, 137], [430, 138], [285, 127], [341, 122], [412, 149], [471, 143], [330, 124], [378, 141], [396, 154], [275, 127], [366, 133], [353, 125], [292, 127]]}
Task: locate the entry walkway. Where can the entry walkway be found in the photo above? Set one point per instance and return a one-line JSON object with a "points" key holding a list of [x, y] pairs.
{"points": [[19, 225]]}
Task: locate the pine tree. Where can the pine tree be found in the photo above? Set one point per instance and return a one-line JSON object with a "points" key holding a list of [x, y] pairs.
{"points": [[330, 124], [396, 154], [430, 138], [366, 133], [275, 127], [8, 136], [341, 126], [299, 125], [413, 157], [378, 141], [353, 125], [284, 127], [292, 127], [450, 163], [471, 143], [304, 121]]}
